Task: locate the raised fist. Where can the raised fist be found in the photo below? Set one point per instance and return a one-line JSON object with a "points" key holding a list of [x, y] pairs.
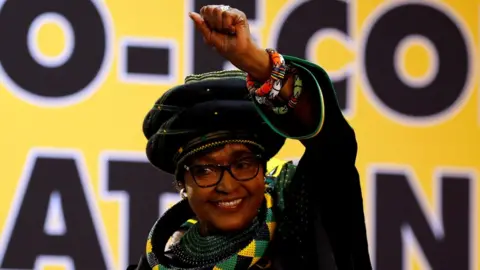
{"points": [[226, 30]]}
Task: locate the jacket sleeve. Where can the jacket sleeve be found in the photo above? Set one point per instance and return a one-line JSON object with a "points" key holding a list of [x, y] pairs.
{"points": [[282, 124], [327, 169], [331, 140]]}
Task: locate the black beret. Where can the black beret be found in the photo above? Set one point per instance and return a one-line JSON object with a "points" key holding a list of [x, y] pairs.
{"points": [[208, 110]]}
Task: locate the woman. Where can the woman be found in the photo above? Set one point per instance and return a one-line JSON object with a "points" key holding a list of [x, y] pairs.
{"points": [[217, 132]]}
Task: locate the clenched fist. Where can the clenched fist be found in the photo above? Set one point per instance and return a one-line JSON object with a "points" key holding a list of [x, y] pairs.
{"points": [[226, 29]]}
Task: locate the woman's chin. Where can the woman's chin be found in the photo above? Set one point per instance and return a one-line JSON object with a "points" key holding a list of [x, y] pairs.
{"points": [[230, 225]]}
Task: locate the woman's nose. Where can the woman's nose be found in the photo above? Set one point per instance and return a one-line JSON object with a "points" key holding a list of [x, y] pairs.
{"points": [[227, 183]]}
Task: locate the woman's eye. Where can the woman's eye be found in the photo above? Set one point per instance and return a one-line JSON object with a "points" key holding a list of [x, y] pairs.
{"points": [[244, 164], [203, 171]]}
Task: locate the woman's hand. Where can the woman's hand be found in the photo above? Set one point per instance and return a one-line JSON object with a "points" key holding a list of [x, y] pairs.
{"points": [[227, 31]]}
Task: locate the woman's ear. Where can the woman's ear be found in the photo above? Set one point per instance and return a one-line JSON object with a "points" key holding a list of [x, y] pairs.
{"points": [[179, 185]]}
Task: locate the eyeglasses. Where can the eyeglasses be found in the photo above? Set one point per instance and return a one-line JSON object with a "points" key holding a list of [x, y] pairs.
{"points": [[209, 175]]}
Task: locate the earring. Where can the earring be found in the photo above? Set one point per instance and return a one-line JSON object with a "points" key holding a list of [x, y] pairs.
{"points": [[183, 193]]}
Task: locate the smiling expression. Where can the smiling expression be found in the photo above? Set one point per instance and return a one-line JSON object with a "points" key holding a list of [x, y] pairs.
{"points": [[230, 205]]}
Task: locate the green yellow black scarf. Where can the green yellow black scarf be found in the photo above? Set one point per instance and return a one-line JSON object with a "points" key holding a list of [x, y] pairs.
{"points": [[247, 253]]}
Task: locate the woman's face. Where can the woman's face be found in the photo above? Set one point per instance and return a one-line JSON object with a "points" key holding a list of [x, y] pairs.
{"points": [[231, 204]]}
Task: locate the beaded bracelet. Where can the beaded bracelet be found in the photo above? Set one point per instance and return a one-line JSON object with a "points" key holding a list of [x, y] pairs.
{"points": [[267, 93], [277, 78], [297, 91]]}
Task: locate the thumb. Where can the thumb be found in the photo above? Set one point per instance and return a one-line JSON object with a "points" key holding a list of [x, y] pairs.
{"points": [[200, 24], [210, 37]]}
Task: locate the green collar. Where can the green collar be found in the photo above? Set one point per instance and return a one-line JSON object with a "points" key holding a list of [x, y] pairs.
{"points": [[229, 251]]}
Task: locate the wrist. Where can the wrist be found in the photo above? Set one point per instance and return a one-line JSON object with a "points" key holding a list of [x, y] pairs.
{"points": [[257, 63]]}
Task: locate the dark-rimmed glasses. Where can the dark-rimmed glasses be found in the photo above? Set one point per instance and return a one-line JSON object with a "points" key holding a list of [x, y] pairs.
{"points": [[209, 175]]}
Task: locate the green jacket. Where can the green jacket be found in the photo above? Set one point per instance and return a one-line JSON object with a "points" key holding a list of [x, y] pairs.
{"points": [[324, 187]]}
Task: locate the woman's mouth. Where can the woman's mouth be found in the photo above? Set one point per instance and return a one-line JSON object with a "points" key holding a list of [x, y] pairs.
{"points": [[229, 204]]}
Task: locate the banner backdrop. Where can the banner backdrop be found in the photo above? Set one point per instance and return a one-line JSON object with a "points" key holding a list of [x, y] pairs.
{"points": [[76, 81]]}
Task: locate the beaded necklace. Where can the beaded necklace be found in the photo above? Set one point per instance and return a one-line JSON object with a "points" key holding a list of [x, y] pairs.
{"points": [[230, 251]]}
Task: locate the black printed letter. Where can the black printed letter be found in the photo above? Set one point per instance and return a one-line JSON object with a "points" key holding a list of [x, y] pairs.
{"points": [[29, 237], [320, 15], [80, 68], [144, 185], [453, 55], [398, 208]]}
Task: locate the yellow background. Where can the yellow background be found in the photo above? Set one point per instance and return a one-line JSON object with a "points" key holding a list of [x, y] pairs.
{"points": [[111, 118]]}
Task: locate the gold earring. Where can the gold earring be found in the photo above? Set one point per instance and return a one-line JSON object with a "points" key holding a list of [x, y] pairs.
{"points": [[183, 193]]}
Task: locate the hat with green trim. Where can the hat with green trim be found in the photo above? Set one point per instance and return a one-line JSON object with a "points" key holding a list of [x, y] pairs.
{"points": [[208, 110]]}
